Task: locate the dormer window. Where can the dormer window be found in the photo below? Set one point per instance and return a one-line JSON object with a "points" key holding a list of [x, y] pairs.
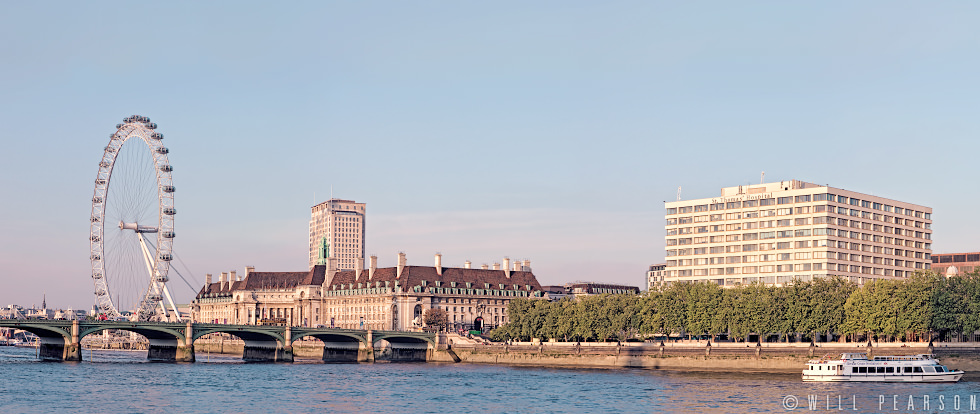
{"points": [[452, 284], [469, 285]]}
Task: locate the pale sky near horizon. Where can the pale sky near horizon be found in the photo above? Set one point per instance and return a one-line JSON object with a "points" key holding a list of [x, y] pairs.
{"points": [[551, 131]]}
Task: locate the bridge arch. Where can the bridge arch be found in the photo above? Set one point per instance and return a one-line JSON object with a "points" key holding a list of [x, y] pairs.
{"points": [[262, 343]]}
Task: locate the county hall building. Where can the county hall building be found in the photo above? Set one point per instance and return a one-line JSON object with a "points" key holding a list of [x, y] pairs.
{"points": [[391, 298], [775, 233]]}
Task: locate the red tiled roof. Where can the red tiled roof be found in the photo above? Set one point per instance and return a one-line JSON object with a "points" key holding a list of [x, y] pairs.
{"points": [[270, 280], [414, 275], [411, 276]]}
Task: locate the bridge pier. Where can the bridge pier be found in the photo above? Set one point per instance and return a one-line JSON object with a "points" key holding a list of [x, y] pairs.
{"points": [[365, 350], [73, 350], [262, 351]]}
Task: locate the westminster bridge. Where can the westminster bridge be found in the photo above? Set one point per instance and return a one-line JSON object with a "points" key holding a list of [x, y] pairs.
{"points": [[60, 340]]}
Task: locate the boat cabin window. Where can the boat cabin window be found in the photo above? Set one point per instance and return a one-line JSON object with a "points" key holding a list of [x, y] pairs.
{"points": [[889, 370], [908, 369], [940, 369], [928, 369], [917, 369], [862, 370]]}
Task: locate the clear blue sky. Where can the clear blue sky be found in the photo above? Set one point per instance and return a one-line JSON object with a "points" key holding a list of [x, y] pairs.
{"points": [[551, 131]]}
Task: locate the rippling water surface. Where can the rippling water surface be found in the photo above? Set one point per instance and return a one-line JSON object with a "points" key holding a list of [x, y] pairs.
{"points": [[122, 382]]}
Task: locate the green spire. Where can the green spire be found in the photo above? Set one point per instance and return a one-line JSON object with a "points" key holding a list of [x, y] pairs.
{"points": [[324, 252]]}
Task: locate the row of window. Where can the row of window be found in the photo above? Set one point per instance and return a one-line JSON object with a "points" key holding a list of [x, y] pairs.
{"points": [[956, 258], [729, 205], [803, 244], [800, 267], [782, 234], [867, 215], [774, 257], [782, 279]]}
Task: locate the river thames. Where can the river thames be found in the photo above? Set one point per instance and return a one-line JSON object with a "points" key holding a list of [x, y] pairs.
{"points": [[123, 382]]}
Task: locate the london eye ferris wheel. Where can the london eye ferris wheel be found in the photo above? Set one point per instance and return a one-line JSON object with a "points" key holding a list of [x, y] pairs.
{"points": [[132, 224]]}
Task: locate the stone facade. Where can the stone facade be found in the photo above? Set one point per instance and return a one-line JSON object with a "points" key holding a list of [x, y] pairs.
{"points": [[392, 298], [656, 276]]}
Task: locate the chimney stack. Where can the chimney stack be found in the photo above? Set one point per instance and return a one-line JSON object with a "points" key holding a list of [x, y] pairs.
{"points": [[232, 278], [517, 265], [401, 264], [358, 267], [506, 266], [373, 267], [207, 282], [439, 264], [221, 280], [527, 265], [330, 271], [484, 266], [249, 270], [467, 264], [496, 266]]}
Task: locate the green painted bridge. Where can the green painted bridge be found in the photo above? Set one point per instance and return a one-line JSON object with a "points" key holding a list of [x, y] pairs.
{"points": [[61, 340]]}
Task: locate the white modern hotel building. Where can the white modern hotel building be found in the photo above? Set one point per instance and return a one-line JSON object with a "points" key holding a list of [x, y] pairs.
{"points": [[774, 233]]}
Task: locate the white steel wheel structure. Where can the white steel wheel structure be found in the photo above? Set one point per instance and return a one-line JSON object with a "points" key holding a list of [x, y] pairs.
{"points": [[133, 202]]}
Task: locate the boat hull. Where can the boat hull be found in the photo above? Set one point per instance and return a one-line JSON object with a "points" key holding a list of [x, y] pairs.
{"points": [[938, 377]]}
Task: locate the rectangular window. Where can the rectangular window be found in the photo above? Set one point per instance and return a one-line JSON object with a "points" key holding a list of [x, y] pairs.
{"points": [[717, 239], [822, 197], [750, 203], [802, 199], [802, 233], [700, 208], [784, 200], [717, 206], [784, 211], [750, 247], [750, 236], [767, 235], [733, 204]]}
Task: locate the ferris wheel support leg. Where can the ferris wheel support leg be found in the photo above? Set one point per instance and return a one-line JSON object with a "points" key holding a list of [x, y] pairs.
{"points": [[170, 300], [151, 269]]}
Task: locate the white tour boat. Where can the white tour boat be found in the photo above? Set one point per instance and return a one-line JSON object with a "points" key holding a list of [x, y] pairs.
{"points": [[857, 367]]}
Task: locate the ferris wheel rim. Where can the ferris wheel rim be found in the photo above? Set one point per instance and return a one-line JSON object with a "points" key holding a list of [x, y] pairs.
{"points": [[141, 128]]}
